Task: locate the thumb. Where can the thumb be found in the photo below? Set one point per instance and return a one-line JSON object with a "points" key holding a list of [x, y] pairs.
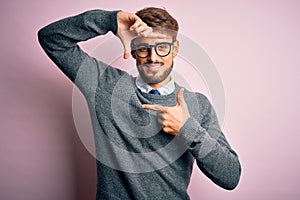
{"points": [[126, 41], [180, 97], [127, 49], [127, 52]]}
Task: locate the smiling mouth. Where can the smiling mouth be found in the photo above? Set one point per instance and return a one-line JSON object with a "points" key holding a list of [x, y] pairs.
{"points": [[153, 66]]}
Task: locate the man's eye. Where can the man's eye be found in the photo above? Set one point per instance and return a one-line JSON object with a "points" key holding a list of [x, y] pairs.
{"points": [[143, 49], [162, 46]]}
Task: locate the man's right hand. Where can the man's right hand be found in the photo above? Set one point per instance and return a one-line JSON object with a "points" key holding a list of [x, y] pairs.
{"points": [[131, 26]]}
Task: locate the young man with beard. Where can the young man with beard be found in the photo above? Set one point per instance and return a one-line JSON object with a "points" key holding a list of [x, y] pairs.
{"points": [[148, 130]]}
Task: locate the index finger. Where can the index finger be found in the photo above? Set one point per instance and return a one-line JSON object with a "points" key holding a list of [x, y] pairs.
{"points": [[153, 34], [153, 107], [146, 31]]}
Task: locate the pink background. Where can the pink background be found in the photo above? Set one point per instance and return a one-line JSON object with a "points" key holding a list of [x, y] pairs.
{"points": [[255, 47]]}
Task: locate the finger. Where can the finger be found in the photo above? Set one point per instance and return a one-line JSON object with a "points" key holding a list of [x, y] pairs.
{"points": [[153, 34], [166, 129], [126, 38], [169, 130], [146, 32], [127, 50], [162, 116], [143, 28], [160, 121], [138, 22], [126, 55], [153, 107], [180, 97]]}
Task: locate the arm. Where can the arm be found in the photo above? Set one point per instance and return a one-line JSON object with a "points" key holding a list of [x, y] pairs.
{"points": [[203, 137], [213, 154], [59, 40]]}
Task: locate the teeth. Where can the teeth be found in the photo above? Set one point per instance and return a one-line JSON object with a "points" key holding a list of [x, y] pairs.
{"points": [[153, 65]]}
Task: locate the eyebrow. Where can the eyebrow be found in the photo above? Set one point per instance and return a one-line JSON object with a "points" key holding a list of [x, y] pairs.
{"points": [[151, 44]]}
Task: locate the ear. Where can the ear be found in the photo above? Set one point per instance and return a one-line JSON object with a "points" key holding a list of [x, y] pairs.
{"points": [[175, 49]]}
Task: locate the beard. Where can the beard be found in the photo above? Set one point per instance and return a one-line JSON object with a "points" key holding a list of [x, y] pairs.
{"points": [[156, 77]]}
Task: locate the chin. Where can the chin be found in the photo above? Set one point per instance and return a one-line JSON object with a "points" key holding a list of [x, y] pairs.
{"points": [[152, 80], [155, 78]]}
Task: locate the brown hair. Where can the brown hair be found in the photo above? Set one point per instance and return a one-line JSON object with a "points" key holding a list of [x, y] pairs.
{"points": [[158, 18]]}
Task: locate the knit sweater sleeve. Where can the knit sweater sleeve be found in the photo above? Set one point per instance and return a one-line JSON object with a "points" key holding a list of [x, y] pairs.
{"points": [[213, 154], [59, 40]]}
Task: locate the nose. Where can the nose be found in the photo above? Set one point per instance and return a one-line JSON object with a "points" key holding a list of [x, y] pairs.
{"points": [[152, 55]]}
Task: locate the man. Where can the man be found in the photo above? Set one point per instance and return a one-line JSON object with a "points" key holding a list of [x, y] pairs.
{"points": [[148, 130]]}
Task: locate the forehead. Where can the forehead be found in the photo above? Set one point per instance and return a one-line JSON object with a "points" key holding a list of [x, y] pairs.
{"points": [[151, 40]]}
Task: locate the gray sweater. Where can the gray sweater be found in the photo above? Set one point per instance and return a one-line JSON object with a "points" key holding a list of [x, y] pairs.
{"points": [[135, 158]]}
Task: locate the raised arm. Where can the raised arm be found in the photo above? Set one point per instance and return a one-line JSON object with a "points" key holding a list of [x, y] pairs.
{"points": [[59, 39]]}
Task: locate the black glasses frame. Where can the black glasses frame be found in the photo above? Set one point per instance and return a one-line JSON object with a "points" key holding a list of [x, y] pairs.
{"points": [[149, 47]]}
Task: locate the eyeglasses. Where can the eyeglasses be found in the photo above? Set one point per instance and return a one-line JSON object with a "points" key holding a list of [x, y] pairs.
{"points": [[162, 49]]}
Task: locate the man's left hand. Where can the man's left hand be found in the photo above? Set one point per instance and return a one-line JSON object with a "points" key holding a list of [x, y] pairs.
{"points": [[171, 118]]}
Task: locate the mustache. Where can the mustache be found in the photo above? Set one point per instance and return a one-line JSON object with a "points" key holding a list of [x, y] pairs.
{"points": [[150, 62]]}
